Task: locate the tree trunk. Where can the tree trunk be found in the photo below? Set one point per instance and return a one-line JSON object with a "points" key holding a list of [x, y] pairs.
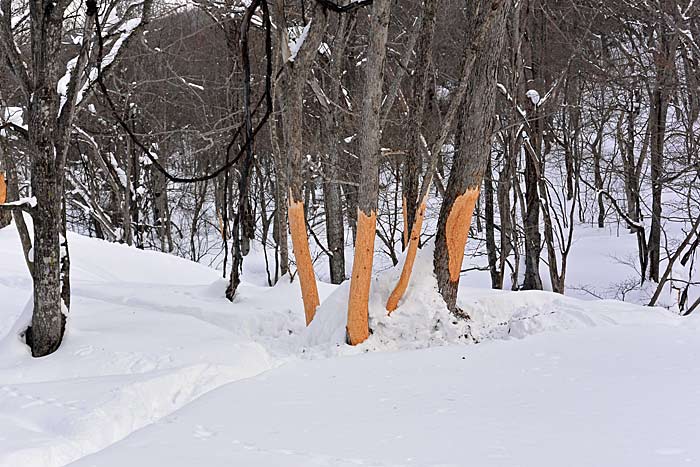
{"points": [[293, 82], [332, 197], [12, 185], [5, 215], [49, 317], [335, 231], [470, 161], [412, 166], [281, 189], [657, 123], [370, 134], [531, 221], [597, 150], [491, 248]]}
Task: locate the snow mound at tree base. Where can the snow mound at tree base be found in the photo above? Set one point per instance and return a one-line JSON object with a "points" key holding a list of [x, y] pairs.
{"points": [[423, 320]]}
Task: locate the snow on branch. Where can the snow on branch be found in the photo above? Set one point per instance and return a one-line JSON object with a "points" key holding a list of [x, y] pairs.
{"points": [[24, 204]]}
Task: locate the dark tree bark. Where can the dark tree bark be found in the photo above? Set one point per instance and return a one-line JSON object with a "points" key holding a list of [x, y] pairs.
{"points": [[489, 213], [665, 41], [332, 197], [533, 164], [421, 87]]}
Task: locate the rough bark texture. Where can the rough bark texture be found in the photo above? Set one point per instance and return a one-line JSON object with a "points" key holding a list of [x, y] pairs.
{"points": [[420, 89], [332, 198], [657, 125], [470, 161], [534, 22], [489, 214], [357, 328], [335, 231], [48, 318], [531, 220], [50, 123], [664, 67], [12, 185], [281, 190]]}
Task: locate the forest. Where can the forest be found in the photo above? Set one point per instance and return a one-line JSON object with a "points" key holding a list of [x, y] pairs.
{"points": [[401, 153]]}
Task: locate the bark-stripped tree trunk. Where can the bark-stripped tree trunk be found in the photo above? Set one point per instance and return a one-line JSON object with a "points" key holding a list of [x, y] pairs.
{"points": [[469, 163], [293, 83], [417, 222], [358, 303], [5, 215]]}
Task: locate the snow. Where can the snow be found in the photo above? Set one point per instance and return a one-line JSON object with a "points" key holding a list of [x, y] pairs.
{"points": [[28, 201], [13, 115], [298, 40], [539, 402], [192, 85], [534, 96], [157, 368]]}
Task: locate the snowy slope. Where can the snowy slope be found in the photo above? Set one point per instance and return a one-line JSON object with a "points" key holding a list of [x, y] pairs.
{"points": [[589, 398], [158, 369], [147, 333]]}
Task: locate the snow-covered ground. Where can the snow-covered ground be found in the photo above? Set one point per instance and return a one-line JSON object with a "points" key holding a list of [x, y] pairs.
{"points": [[158, 369]]}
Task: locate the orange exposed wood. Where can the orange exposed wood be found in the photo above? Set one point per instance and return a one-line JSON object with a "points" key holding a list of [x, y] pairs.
{"points": [[457, 229], [358, 304], [402, 284], [221, 227], [305, 267], [3, 189]]}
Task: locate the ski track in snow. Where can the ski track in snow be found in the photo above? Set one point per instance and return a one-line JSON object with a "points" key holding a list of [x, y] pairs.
{"points": [[150, 335]]}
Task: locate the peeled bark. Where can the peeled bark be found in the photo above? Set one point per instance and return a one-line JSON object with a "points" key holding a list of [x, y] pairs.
{"points": [[3, 189], [5, 215], [358, 302], [305, 267], [413, 241], [412, 251]]}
